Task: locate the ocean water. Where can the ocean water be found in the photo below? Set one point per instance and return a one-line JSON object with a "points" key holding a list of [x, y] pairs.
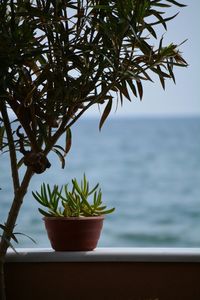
{"points": [[148, 169]]}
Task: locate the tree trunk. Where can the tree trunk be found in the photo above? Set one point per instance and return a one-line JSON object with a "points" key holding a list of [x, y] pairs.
{"points": [[2, 281], [10, 224]]}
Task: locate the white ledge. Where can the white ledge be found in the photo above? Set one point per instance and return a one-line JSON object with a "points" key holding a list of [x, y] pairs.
{"points": [[106, 255]]}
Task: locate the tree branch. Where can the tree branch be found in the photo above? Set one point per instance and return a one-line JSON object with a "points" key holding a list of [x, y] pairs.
{"points": [[11, 145], [10, 224], [14, 211]]}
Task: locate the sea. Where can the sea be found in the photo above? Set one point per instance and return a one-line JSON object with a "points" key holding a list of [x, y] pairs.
{"points": [[148, 169]]}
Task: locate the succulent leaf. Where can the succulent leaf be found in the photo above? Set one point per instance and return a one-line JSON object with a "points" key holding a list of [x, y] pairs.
{"points": [[65, 203]]}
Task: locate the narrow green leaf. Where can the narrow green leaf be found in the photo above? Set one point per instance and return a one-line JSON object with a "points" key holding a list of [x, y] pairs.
{"points": [[121, 98], [60, 156], [76, 186], [171, 72], [44, 192], [95, 200], [164, 21], [105, 113], [177, 3], [20, 163], [160, 72], [59, 147], [68, 141], [99, 202], [5, 229], [160, 44], [44, 213], [151, 30], [101, 208], [161, 77], [123, 89], [2, 131], [11, 245], [23, 234], [94, 189], [162, 80], [50, 194], [158, 4], [140, 89], [85, 184], [39, 199], [132, 86], [109, 211], [159, 17]]}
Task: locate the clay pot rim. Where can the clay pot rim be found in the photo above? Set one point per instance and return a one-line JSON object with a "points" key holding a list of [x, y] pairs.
{"points": [[74, 218]]}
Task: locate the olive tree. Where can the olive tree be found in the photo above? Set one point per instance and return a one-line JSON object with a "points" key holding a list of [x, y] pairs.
{"points": [[59, 58]]}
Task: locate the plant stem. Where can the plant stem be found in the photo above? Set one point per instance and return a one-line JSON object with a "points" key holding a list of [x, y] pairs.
{"points": [[11, 145], [10, 224], [14, 210], [16, 184]]}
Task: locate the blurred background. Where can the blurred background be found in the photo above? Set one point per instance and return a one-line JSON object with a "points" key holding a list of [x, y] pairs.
{"points": [[146, 159]]}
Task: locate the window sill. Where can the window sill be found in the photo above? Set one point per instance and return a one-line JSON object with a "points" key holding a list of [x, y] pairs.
{"points": [[106, 255]]}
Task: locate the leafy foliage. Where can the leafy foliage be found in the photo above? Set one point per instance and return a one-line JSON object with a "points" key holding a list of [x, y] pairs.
{"points": [[58, 58], [73, 203], [3, 227]]}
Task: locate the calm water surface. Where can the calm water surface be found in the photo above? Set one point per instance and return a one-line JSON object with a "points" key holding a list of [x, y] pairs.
{"points": [[149, 169]]}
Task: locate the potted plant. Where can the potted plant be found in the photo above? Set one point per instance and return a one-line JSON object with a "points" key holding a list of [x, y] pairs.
{"points": [[71, 220], [59, 58]]}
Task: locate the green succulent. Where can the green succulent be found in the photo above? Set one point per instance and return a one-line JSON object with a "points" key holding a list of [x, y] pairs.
{"points": [[63, 202]]}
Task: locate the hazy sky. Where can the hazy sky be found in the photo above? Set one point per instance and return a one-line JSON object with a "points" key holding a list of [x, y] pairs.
{"points": [[182, 98]]}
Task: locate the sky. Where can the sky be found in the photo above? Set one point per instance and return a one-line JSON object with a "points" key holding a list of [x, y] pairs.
{"points": [[181, 99]]}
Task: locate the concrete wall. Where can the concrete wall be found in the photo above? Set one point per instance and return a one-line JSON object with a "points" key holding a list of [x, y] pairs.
{"points": [[93, 279]]}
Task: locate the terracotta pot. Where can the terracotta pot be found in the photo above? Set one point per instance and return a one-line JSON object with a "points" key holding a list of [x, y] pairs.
{"points": [[75, 233]]}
